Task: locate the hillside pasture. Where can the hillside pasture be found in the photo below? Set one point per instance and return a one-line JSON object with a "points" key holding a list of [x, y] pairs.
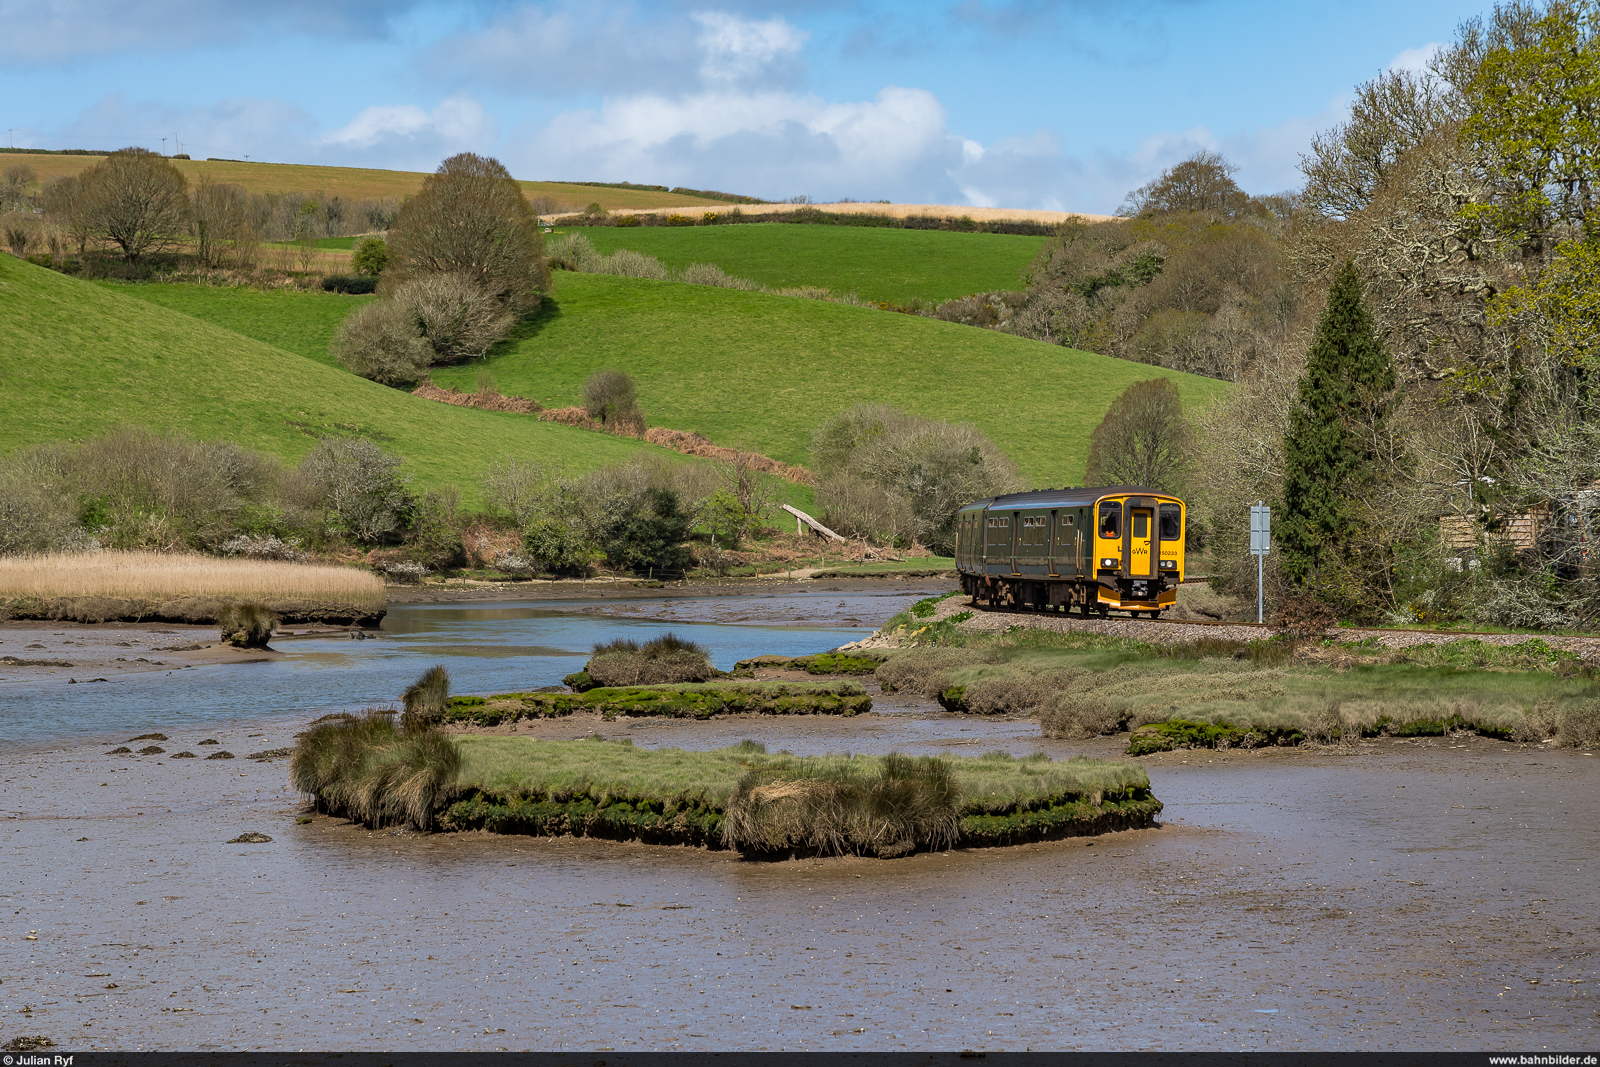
{"points": [[82, 358], [897, 266], [762, 372], [748, 370]]}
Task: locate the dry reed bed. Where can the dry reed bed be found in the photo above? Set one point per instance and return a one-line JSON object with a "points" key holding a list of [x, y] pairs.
{"points": [[98, 586]]}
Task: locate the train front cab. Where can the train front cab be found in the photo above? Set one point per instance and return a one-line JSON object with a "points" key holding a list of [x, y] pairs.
{"points": [[1138, 552]]}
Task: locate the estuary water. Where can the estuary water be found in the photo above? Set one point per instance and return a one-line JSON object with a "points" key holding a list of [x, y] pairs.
{"points": [[499, 646]]}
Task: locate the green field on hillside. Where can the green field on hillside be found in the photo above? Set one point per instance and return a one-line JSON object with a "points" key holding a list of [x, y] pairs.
{"points": [[875, 264], [80, 358], [293, 320], [763, 372], [751, 370]]}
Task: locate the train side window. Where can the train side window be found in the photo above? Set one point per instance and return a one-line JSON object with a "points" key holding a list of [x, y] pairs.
{"points": [[1171, 522], [1111, 519]]}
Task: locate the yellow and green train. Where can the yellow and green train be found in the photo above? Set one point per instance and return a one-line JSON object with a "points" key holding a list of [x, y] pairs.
{"points": [[1114, 548]]}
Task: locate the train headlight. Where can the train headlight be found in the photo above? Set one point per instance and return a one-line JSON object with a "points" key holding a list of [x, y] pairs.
{"points": [[1169, 563], [1108, 563]]}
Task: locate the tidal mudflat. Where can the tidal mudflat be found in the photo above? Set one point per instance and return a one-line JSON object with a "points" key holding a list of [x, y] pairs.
{"points": [[1427, 893]]}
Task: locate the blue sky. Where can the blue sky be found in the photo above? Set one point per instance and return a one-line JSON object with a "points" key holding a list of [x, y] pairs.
{"points": [[1030, 103]]}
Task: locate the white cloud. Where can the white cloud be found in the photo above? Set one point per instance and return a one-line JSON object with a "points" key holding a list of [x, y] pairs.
{"points": [[1416, 60], [738, 49], [780, 144], [459, 120], [560, 50]]}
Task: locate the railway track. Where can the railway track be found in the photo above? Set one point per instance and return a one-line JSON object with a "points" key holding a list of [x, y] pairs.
{"points": [[1096, 621]]}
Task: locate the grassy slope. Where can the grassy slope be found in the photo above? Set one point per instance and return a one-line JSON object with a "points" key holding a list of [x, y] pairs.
{"points": [[762, 372], [76, 359], [356, 182], [893, 265], [753, 370], [293, 320]]}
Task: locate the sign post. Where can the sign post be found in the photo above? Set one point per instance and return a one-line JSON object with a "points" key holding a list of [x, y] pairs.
{"points": [[1260, 546]]}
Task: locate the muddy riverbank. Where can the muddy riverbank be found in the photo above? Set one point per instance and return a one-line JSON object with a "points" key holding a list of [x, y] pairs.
{"points": [[1383, 899]]}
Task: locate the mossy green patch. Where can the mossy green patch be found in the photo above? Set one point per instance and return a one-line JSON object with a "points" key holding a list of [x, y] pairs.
{"points": [[688, 701]]}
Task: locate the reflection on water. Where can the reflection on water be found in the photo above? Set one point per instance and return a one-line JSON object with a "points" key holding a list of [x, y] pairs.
{"points": [[487, 648]]}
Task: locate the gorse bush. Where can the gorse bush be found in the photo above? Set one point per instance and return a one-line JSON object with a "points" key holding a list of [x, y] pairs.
{"points": [[371, 255]]}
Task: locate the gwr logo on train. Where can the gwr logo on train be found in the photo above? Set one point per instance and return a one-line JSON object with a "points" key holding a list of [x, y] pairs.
{"points": [[1117, 547]]}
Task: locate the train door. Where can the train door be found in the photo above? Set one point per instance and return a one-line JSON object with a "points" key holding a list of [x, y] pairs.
{"points": [[1140, 542], [1053, 545], [1016, 538]]}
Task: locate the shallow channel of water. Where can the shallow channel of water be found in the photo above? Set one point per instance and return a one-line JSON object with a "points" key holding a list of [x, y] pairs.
{"points": [[487, 647]]}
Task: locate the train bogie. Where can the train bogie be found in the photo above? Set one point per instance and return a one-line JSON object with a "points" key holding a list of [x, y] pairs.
{"points": [[1097, 550]]}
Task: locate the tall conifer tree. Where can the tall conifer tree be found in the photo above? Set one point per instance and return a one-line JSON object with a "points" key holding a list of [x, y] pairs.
{"points": [[1344, 393]]}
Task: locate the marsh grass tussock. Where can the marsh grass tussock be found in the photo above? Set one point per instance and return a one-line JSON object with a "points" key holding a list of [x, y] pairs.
{"points": [[839, 807], [247, 625], [662, 660], [151, 580], [374, 771], [425, 700]]}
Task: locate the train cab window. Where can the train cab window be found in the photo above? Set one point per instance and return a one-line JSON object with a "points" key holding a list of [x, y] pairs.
{"points": [[1141, 524], [1111, 519], [1171, 522]]}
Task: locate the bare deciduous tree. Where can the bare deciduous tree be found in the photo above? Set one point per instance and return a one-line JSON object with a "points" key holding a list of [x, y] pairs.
{"points": [[219, 212], [137, 200]]}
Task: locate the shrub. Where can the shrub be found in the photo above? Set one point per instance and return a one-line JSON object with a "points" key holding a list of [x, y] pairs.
{"points": [[645, 531], [1580, 725], [433, 536], [352, 284], [248, 625], [370, 257], [556, 546], [382, 342], [425, 699], [358, 486], [935, 467], [609, 396], [713, 275], [457, 317]]}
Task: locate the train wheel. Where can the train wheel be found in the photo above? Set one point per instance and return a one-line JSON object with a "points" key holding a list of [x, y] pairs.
{"points": [[1155, 614]]}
